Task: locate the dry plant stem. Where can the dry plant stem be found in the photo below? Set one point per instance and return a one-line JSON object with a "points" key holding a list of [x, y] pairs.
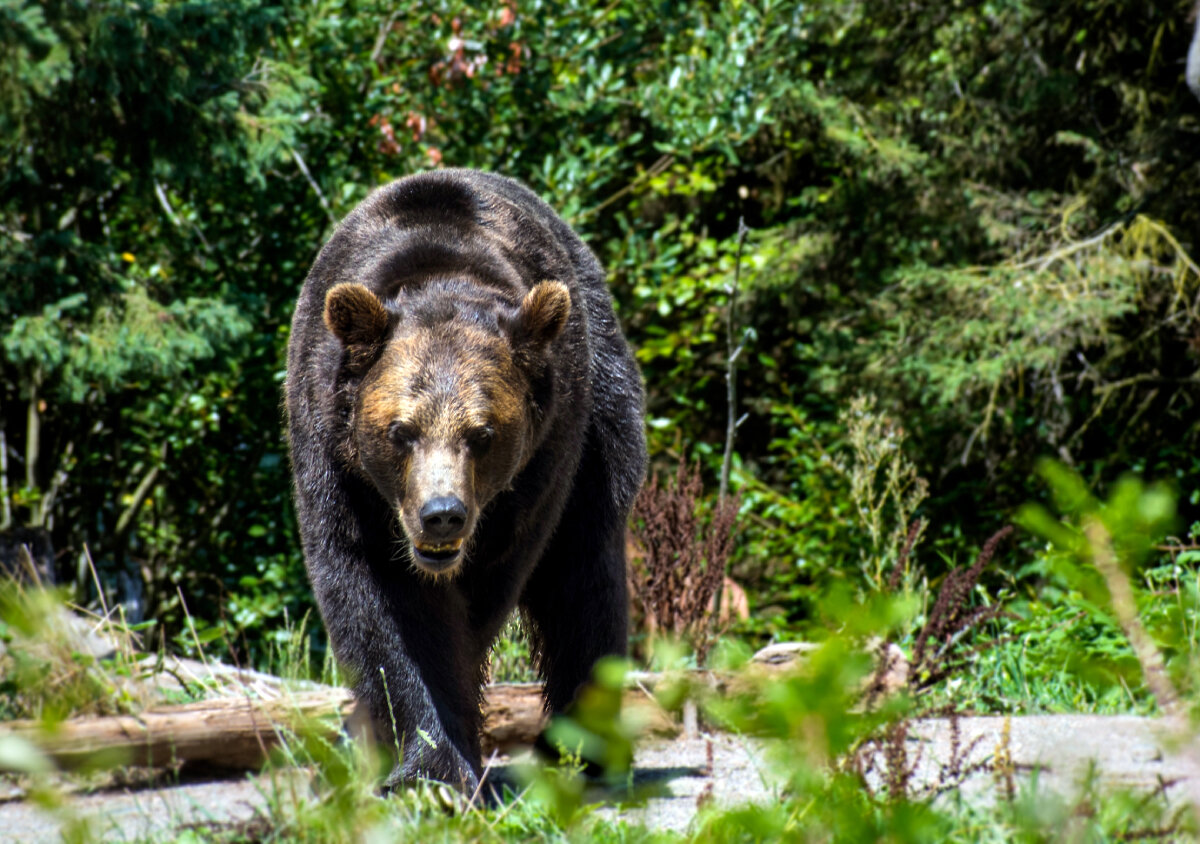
{"points": [[656, 169], [312, 183], [1192, 74], [958, 768], [161, 193], [1003, 762], [1148, 655], [901, 568], [380, 41], [732, 422], [898, 776], [1125, 607], [46, 505], [734, 353], [886, 754], [144, 487], [33, 427], [877, 687], [5, 503], [87, 553]]}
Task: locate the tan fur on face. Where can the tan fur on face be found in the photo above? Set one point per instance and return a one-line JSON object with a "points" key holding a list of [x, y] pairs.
{"points": [[481, 385], [439, 388]]}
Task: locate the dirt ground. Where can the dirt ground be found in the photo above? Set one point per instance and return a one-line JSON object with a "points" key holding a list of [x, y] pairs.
{"points": [[1124, 752]]}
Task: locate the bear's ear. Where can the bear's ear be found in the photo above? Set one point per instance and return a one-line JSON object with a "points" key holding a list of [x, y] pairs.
{"points": [[542, 317], [356, 317]]}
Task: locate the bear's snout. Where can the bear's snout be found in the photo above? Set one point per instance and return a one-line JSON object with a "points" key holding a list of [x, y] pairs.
{"points": [[443, 518], [445, 522]]}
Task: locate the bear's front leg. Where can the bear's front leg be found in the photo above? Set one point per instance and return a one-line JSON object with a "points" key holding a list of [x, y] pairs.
{"points": [[402, 641], [423, 691], [432, 737]]}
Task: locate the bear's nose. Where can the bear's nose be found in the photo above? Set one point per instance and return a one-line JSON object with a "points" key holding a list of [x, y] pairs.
{"points": [[443, 517]]}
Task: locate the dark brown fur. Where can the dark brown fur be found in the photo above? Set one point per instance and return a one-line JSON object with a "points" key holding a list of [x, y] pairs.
{"points": [[455, 340]]}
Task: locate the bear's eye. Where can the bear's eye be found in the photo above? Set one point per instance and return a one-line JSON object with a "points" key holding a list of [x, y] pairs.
{"points": [[480, 440], [401, 435]]}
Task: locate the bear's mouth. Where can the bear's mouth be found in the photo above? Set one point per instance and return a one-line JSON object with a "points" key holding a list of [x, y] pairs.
{"points": [[438, 557]]}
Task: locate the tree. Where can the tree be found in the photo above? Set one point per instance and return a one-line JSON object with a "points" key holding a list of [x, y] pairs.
{"points": [[129, 145]]}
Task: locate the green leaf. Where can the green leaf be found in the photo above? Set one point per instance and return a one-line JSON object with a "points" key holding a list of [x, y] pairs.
{"points": [[21, 755]]}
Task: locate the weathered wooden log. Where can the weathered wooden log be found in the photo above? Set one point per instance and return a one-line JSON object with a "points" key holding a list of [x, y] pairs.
{"points": [[513, 714], [238, 733], [234, 733], [888, 678]]}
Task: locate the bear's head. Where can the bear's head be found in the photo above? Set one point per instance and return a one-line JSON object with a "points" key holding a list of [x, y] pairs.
{"points": [[442, 415]]}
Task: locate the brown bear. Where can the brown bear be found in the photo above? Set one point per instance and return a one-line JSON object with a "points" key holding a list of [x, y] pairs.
{"points": [[465, 421]]}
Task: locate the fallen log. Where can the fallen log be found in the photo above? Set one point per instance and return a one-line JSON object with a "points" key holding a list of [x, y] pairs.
{"points": [[239, 733], [513, 714], [238, 730], [233, 733]]}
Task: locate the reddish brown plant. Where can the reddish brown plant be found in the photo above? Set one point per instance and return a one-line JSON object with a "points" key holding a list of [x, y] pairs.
{"points": [[952, 617], [683, 559]]}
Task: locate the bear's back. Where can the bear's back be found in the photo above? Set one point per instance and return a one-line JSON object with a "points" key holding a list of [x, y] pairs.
{"points": [[448, 222]]}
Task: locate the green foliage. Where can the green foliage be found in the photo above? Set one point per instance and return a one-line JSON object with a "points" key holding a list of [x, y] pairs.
{"points": [[141, 266], [884, 486], [597, 729], [1065, 649], [1001, 337], [131, 339], [810, 717], [980, 214], [54, 664], [510, 660]]}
